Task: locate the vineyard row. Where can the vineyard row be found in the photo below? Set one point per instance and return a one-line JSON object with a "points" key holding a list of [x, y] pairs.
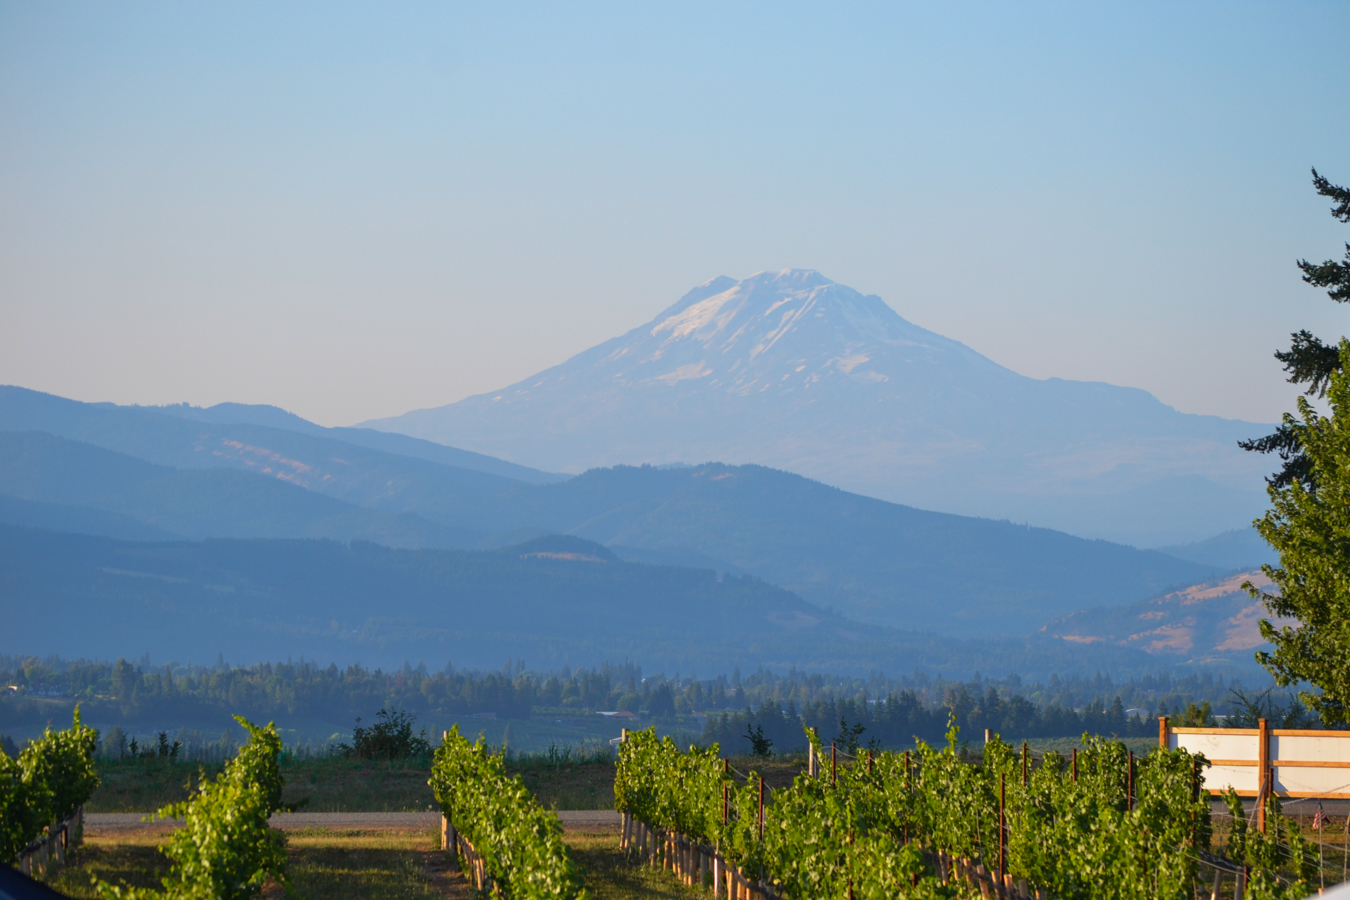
{"points": [[1099, 824]]}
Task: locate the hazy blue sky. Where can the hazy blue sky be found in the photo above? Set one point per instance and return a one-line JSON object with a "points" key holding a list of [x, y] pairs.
{"points": [[352, 211]]}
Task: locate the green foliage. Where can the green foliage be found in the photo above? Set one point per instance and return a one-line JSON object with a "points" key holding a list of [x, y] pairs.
{"points": [[52, 777], [1282, 846], [759, 745], [1201, 716], [520, 842], [225, 850], [64, 760], [1310, 529], [862, 829], [23, 808], [822, 837], [667, 788], [391, 737]]}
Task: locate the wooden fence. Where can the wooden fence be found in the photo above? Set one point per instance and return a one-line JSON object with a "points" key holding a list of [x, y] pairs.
{"points": [[1261, 760], [48, 853]]}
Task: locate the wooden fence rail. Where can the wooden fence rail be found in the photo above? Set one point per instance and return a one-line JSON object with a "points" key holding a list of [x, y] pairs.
{"points": [[1263, 760], [475, 868], [48, 853]]}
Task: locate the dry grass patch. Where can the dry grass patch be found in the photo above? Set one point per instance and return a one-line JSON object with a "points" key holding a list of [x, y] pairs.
{"points": [[373, 864], [610, 875], [325, 864], [128, 856]]}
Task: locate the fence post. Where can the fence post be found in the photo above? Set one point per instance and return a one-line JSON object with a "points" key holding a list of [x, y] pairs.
{"points": [[1129, 783], [450, 841], [1195, 794], [1162, 732], [761, 807], [1002, 847], [1263, 765]]}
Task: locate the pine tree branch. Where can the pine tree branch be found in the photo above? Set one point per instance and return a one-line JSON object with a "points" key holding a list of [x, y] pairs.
{"points": [[1310, 361], [1285, 443], [1330, 274], [1341, 195]]}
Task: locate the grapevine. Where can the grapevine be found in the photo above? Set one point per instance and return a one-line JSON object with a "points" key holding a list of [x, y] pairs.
{"points": [[225, 849], [50, 779], [1105, 825], [519, 841]]}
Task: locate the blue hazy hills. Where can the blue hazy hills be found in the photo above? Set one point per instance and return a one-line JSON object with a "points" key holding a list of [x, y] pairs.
{"points": [[139, 475], [553, 601]]}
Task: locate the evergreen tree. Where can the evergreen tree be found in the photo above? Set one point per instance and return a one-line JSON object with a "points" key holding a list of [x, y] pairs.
{"points": [[1310, 529], [1308, 360]]}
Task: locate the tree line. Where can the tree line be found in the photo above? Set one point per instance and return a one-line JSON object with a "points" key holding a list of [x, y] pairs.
{"points": [[140, 695]]}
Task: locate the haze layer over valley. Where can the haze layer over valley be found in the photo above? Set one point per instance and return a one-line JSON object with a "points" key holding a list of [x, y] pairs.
{"points": [[791, 370], [145, 474]]}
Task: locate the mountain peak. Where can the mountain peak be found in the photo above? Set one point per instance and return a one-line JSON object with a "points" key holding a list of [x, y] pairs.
{"points": [[785, 331], [793, 370]]}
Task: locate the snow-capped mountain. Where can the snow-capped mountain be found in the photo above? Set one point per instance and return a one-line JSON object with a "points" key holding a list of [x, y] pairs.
{"points": [[789, 369]]}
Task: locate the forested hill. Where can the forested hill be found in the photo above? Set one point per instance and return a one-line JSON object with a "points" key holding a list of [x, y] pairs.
{"points": [[873, 561], [554, 601], [236, 471]]}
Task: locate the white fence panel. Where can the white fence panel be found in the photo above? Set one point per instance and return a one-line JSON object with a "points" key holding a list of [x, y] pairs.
{"points": [[1297, 763]]}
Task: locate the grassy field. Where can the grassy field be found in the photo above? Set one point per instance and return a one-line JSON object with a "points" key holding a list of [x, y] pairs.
{"points": [[345, 785], [334, 784], [337, 784]]}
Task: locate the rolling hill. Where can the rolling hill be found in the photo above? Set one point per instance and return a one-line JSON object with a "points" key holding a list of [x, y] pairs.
{"points": [[384, 441], [876, 562], [873, 561], [356, 474], [52, 482], [554, 601], [1212, 623]]}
